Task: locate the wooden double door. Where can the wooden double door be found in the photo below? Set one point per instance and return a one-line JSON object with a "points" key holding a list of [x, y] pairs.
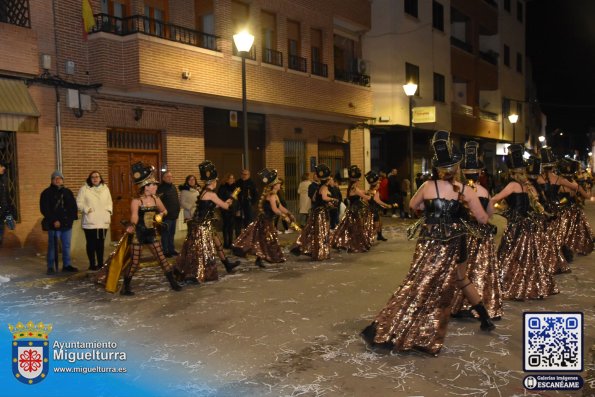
{"points": [[122, 186]]}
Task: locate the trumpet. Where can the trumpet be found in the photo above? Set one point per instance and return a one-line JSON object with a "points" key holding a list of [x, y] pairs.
{"points": [[501, 205], [235, 193], [292, 223]]}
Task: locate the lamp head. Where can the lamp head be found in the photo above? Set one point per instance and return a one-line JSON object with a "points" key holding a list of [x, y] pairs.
{"points": [[410, 89], [243, 41]]}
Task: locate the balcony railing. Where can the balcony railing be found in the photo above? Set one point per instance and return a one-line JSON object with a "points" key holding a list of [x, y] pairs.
{"points": [[297, 63], [152, 27], [272, 57], [489, 56], [15, 12], [485, 115], [461, 44], [250, 55], [352, 77], [459, 108], [319, 69]]}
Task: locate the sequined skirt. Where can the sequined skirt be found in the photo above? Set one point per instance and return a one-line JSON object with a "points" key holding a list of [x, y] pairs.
{"points": [[579, 236], [259, 238], [483, 271], [314, 239], [551, 245], [353, 232], [525, 273], [417, 314], [198, 257]]}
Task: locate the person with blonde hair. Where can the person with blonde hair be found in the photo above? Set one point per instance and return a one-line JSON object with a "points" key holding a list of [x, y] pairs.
{"points": [[417, 314]]}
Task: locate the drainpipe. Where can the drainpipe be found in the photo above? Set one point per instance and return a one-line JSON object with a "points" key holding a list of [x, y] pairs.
{"points": [[58, 132]]}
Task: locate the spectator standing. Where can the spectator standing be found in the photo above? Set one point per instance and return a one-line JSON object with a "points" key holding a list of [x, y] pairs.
{"points": [[383, 190], [94, 201], [6, 210], [394, 192], [247, 198], [305, 202], [58, 206], [227, 214], [335, 193], [188, 196], [168, 194], [406, 192]]}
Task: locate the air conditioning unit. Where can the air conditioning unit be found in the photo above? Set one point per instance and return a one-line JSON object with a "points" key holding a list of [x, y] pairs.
{"points": [[85, 102], [46, 61], [72, 99]]}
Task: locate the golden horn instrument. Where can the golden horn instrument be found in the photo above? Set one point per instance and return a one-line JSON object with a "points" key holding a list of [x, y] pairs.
{"points": [[235, 193]]}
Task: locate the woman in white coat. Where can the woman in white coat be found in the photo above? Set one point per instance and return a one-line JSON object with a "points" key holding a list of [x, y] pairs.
{"points": [[305, 202], [95, 203]]}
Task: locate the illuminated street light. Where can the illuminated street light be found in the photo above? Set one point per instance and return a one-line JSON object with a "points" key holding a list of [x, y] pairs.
{"points": [[513, 118], [410, 89], [243, 41]]}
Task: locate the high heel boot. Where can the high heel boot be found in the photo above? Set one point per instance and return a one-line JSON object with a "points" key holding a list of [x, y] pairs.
{"points": [[230, 266], [486, 321], [126, 287], [174, 285]]}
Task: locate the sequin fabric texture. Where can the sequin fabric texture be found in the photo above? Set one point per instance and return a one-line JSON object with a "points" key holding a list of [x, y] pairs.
{"points": [[315, 237], [260, 238], [579, 236], [198, 257], [353, 232]]}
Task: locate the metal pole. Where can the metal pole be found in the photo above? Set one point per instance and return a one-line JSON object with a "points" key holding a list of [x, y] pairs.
{"points": [[513, 133], [245, 113], [411, 176]]}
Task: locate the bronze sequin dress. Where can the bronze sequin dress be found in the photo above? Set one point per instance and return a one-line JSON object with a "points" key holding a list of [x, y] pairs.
{"points": [[417, 314], [314, 239], [525, 272], [353, 231], [199, 253], [483, 269], [579, 236], [260, 238], [555, 227]]}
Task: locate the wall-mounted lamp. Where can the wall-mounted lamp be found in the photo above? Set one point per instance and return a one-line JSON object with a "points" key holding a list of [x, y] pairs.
{"points": [[138, 113], [186, 74]]}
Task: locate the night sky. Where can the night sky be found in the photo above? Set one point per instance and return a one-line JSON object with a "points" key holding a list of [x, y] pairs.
{"points": [[561, 46]]}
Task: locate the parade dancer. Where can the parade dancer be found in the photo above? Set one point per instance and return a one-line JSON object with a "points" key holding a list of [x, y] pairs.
{"points": [[579, 236], [483, 269], [197, 263], [376, 204], [314, 239], [260, 238], [417, 314], [353, 233], [522, 253], [146, 211], [557, 228]]}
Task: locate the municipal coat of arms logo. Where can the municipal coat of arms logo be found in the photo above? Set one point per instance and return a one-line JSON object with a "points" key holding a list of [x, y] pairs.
{"points": [[30, 351]]}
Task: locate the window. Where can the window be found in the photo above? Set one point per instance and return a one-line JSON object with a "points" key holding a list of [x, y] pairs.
{"points": [[412, 75], [205, 22], [239, 21], [156, 15], [519, 11], [507, 5], [519, 63], [506, 55], [295, 61], [268, 25], [8, 151], [439, 88], [438, 16], [506, 106], [318, 66], [519, 108], [15, 12], [411, 7]]}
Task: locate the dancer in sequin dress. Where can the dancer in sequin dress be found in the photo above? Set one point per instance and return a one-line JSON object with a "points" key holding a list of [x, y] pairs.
{"points": [[354, 232], [314, 240], [483, 269], [260, 238], [376, 204], [197, 262], [522, 253], [417, 314]]}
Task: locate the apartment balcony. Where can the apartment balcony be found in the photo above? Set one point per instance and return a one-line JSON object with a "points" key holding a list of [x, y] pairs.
{"points": [[455, 42], [352, 77], [272, 57], [152, 27], [128, 60], [297, 63], [319, 69], [474, 122]]}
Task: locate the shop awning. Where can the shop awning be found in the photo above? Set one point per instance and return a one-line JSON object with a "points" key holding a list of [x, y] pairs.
{"points": [[17, 109]]}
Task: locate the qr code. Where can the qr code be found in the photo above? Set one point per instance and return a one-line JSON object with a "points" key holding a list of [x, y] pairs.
{"points": [[553, 341]]}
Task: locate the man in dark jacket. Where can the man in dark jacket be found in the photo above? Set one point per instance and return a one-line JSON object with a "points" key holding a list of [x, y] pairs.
{"points": [[58, 206], [247, 198], [169, 196]]}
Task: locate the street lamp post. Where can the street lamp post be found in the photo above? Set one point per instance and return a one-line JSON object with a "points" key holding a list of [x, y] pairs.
{"points": [[410, 89], [243, 41], [513, 118]]}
